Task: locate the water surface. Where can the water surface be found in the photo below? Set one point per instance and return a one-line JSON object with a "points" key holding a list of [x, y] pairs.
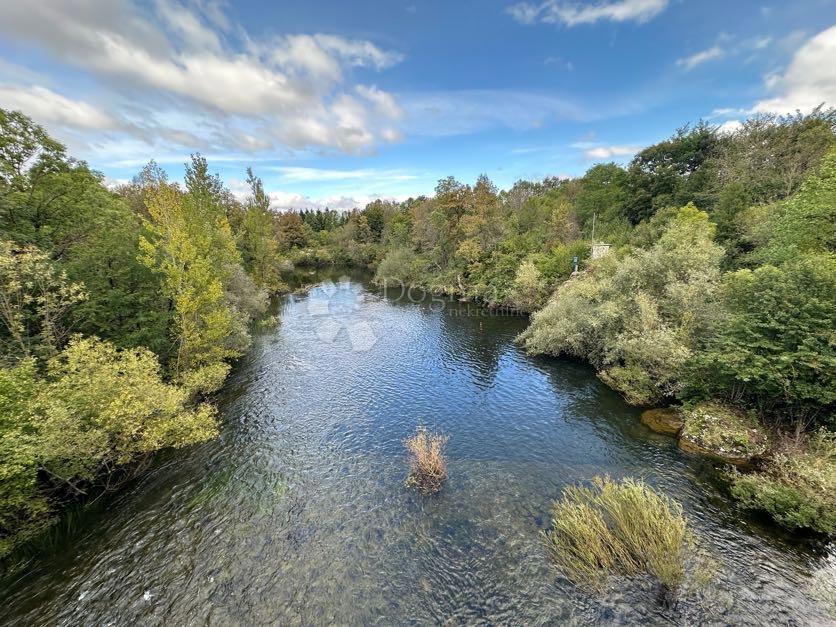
{"points": [[298, 513]]}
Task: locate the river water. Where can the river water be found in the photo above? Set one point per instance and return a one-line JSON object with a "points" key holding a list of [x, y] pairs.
{"points": [[298, 512]]}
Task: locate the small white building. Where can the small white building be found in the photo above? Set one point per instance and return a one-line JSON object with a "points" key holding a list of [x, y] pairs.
{"points": [[599, 250]]}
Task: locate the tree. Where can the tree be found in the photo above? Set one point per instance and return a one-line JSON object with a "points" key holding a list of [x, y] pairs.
{"points": [[291, 230], [672, 173], [807, 221], [103, 408], [181, 246], [258, 238], [34, 299], [773, 346], [24, 509]]}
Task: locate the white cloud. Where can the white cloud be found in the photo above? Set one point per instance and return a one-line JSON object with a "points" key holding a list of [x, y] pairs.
{"points": [[689, 63], [49, 107], [607, 152], [809, 81], [573, 13], [299, 174], [382, 101], [729, 127], [293, 90], [288, 201]]}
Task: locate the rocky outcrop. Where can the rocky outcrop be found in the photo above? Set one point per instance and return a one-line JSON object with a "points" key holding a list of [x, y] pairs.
{"points": [[667, 420], [722, 432]]}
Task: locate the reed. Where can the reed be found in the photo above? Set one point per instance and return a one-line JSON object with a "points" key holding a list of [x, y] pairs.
{"points": [[428, 467], [619, 528]]}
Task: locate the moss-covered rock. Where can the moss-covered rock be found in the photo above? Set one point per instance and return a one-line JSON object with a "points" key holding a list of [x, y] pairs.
{"points": [[667, 420], [722, 432]]}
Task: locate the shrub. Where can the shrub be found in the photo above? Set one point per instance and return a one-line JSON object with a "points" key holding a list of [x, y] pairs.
{"points": [[638, 318], [619, 528], [530, 290], [797, 488], [428, 467], [398, 266], [773, 346]]}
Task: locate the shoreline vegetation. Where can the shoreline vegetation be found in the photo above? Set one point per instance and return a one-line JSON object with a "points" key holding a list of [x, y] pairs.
{"points": [[712, 294]]}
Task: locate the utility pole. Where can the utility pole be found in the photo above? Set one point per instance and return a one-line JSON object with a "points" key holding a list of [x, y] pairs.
{"points": [[593, 227]]}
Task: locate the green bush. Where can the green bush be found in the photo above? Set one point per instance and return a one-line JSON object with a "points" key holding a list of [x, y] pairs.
{"points": [[637, 318], [98, 410], [773, 346], [619, 528], [797, 488]]}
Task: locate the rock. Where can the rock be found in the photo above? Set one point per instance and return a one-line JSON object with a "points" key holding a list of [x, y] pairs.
{"points": [[722, 432], [667, 420]]}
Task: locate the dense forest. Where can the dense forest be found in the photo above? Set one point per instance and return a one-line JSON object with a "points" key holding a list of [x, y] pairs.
{"points": [[122, 308]]}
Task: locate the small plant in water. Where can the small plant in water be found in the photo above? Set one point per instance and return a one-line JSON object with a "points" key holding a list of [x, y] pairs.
{"points": [[620, 528], [428, 467]]}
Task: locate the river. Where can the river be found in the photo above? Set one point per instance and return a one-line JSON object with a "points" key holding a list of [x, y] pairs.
{"points": [[298, 512]]}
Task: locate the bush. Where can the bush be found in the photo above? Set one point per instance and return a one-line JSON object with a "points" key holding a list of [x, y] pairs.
{"points": [[619, 528], [796, 487], [529, 290], [773, 346], [398, 266], [637, 318], [428, 467]]}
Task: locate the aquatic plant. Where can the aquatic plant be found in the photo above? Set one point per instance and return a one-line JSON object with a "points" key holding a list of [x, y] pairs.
{"points": [[428, 466], [619, 528]]}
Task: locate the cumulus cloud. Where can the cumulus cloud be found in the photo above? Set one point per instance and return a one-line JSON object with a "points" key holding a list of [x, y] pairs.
{"points": [[295, 88], [607, 152], [572, 13], [50, 107], [729, 127], [704, 56], [808, 81], [291, 201]]}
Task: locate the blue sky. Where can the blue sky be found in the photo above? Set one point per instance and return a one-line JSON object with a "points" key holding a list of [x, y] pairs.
{"points": [[335, 103]]}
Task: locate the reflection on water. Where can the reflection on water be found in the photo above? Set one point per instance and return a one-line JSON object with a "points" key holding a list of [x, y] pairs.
{"points": [[298, 513]]}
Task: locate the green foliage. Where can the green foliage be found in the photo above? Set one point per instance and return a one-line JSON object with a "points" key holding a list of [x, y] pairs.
{"points": [[796, 487], [98, 410], [619, 528], [24, 510], [530, 289], [807, 221], [103, 408], [637, 318], [149, 266], [190, 244], [557, 264], [401, 265], [671, 173], [34, 299], [773, 345], [259, 245]]}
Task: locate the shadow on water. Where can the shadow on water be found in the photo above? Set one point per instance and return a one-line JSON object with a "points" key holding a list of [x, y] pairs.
{"points": [[298, 513]]}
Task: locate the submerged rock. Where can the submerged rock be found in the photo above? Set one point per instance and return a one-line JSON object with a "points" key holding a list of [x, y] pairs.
{"points": [[722, 432], [667, 420]]}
